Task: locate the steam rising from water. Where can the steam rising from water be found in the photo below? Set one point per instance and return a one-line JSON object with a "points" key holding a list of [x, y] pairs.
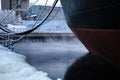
{"points": [[52, 56]]}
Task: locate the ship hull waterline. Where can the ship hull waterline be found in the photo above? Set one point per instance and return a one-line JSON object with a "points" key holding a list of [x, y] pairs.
{"points": [[96, 23], [104, 43]]}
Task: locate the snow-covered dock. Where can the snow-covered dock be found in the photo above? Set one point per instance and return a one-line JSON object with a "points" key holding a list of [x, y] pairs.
{"points": [[14, 67]]}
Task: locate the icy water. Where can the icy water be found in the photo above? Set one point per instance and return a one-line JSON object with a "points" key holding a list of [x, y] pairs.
{"points": [[52, 56]]}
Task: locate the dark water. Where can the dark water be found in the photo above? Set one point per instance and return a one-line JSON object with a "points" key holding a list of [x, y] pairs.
{"points": [[52, 56]]}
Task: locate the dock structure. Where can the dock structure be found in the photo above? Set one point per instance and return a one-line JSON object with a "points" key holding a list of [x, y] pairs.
{"points": [[45, 32], [31, 13], [10, 4], [36, 37]]}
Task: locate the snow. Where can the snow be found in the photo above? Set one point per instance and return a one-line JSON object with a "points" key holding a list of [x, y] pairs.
{"points": [[3, 48], [16, 28], [42, 2], [10, 26], [14, 67], [59, 79], [32, 16]]}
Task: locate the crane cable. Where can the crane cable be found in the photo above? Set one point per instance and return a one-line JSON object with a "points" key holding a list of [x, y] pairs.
{"points": [[34, 28], [1, 25], [41, 13], [43, 20], [9, 31]]}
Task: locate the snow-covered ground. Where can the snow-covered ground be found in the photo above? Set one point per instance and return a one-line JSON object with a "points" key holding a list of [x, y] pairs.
{"points": [[16, 28], [14, 67]]}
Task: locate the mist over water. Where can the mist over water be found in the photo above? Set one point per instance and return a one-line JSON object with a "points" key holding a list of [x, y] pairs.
{"points": [[52, 56]]}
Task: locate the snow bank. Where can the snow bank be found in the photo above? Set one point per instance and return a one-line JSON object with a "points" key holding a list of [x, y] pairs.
{"points": [[16, 28], [3, 48], [14, 67]]}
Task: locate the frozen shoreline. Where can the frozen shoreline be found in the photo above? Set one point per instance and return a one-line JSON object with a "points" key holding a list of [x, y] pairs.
{"points": [[14, 67]]}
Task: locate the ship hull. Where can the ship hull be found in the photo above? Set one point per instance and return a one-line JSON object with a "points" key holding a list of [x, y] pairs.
{"points": [[96, 23], [105, 43]]}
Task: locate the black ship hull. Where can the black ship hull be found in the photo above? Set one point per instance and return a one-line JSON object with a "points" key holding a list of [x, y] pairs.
{"points": [[97, 24]]}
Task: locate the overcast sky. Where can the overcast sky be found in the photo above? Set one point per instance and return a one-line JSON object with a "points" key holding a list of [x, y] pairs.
{"points": [[0, 4], [40, 2]]}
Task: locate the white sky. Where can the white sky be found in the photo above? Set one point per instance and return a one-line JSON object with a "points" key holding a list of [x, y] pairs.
{"points": [[42, 2], [0, 4]]}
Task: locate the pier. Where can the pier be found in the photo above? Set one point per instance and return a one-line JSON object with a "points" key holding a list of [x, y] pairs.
{"points": [[33, 37]]}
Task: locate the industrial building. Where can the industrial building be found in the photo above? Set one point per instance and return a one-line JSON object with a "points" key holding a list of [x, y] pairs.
{"points": [[20, 8]]}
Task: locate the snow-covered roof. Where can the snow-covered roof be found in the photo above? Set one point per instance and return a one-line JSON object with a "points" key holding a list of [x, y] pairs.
{"points": [[9, 26], [52, 27]]}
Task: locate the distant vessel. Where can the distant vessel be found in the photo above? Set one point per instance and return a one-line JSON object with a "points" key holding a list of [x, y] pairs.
{"points": [[97, 24]]}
